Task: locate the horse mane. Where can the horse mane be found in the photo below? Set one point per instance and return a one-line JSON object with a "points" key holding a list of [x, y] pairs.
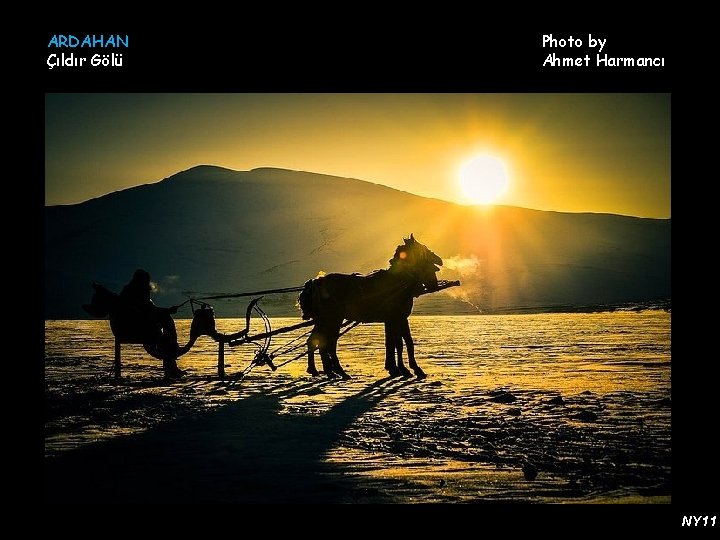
{"points": [[402, 249]]}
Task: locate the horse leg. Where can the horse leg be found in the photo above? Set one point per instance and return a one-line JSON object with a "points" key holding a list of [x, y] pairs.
{"points": [[405, 334], [311, 369], [393, 345], [311, 347], [327, 362], [402, 370], [337, 368], [322, 340], [318, 342], [390, 341]]}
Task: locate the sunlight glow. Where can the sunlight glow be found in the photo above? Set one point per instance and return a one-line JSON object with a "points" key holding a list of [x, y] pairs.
{"points": [[483, 179]]}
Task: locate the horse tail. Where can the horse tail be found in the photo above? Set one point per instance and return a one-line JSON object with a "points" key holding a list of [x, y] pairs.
{"points": [[305, 300]]}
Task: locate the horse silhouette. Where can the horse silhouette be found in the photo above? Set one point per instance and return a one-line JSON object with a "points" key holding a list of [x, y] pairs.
{"points": [[384, 296]]}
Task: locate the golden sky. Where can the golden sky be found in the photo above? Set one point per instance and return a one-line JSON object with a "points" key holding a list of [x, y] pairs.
{"points": [[566, 152]]}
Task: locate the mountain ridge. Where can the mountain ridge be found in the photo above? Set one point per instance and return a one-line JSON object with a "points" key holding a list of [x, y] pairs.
{"points": [[212, 228]]}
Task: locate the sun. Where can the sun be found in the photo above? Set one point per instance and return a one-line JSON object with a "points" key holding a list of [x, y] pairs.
{"points": [[483, 179]]}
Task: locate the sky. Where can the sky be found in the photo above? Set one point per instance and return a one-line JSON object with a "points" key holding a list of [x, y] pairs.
{"points": [[565, 152]]}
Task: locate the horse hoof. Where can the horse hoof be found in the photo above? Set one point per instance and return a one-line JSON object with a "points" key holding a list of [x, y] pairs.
{"points": [[405, 372], [420, 374], [313, 372], [344, 376]]}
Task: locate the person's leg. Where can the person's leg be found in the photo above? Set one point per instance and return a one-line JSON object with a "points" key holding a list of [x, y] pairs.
{"points": [[169, 345]]}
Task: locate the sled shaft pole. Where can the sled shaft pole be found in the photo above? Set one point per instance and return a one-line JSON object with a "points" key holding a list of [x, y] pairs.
{"points": [[264, 335]]}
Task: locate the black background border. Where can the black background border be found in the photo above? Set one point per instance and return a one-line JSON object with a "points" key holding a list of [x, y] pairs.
{"points": [[295, 52]]}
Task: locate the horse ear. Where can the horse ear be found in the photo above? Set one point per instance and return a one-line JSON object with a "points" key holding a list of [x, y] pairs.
{"points": [[412, 238]]}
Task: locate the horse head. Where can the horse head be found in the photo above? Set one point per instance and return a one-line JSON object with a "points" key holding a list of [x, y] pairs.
{"points": [[418, 260]]}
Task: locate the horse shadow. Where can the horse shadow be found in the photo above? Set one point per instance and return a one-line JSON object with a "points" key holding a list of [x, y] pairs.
{"points": [[247, 451]]}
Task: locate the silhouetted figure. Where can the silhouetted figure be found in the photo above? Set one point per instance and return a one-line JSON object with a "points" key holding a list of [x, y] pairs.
{"points": [[383, 296], [136, 296]]}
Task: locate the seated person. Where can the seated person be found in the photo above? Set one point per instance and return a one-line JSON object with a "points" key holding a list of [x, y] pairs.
{"points": [[136, 294]]}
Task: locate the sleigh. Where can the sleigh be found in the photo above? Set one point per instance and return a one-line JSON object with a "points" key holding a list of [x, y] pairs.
{"points": [[132, 327], [391, 303]]}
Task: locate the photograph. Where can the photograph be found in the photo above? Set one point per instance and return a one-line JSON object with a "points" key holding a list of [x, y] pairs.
{"points": [[345, 296]]}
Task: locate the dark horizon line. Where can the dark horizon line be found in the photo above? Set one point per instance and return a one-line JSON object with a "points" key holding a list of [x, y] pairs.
{"points": [[660, 304]]}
